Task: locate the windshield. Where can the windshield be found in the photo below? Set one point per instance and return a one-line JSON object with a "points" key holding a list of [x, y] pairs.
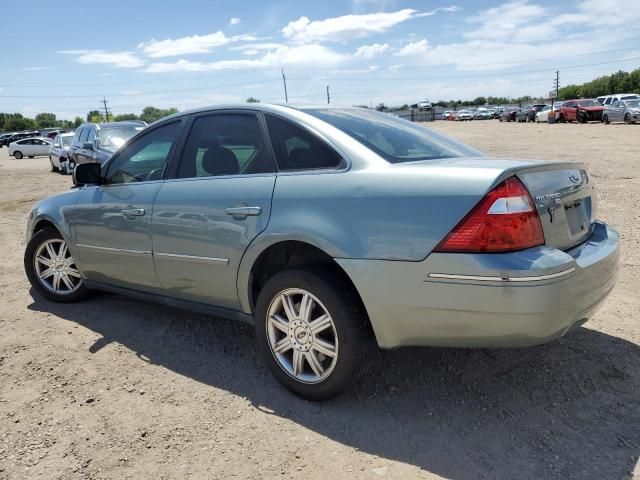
{"points": [[632, 103], [113, 138], [588, 103], [394, 139]]}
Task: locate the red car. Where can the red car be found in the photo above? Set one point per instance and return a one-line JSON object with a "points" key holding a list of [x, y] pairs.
{"points": [[580, 110]]}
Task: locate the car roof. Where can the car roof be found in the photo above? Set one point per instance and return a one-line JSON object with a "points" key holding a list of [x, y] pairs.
{"points": [[35, 138]]}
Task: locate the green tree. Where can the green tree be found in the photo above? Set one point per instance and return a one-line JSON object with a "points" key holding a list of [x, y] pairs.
{"points": [[252, 100], [125, 116], [16, 122], [151, 114], [77, 122], [45, 120]]}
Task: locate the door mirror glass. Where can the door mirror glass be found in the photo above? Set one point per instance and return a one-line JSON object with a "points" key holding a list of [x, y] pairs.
{"points": [[87, 174]]}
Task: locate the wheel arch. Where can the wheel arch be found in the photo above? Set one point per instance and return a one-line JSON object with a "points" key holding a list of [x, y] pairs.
{"points": [[276, 254]]}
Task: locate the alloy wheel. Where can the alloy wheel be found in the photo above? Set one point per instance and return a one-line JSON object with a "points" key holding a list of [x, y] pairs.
{"points": [[302, 335], [55, 267]]}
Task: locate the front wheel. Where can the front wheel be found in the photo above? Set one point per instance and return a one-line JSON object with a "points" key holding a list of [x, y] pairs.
{"points": [[51, 269], [312, 332], [605, 119], [17, 154], [53, 167], [627, 119]]}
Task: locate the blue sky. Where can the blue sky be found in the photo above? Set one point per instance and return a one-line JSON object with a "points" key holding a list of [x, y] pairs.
{"points": [[195, 52]]}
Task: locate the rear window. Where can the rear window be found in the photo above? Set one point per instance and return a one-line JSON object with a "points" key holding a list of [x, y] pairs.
{"points": [[394, 139], [115, 137]]}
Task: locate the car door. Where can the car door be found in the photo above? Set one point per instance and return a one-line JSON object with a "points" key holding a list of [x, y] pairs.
{"points": [[112, 221], [79, 153], [40, 147], [616, 111], [217, 202]]}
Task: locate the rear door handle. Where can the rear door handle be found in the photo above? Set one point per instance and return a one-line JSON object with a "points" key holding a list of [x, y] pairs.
{"points": [[133, 212], [242, 212]]}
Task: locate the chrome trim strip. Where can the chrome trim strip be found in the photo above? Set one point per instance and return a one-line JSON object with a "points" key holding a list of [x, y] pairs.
{"points": [[193, 258], [478, 278], [114, 250]]}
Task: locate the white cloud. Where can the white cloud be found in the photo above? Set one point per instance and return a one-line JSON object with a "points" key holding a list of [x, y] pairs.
{"points": [[370, 51], [234, 21], [348, 27], [187, 45], [116, 59], [299, 55], [413, 48], [256, 46], [36, 69]]}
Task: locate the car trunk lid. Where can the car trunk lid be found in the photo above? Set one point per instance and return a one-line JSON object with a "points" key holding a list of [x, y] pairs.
{"points": [[564, 197]]}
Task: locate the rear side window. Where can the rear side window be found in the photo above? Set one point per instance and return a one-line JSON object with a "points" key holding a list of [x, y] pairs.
{"points": [[297, 149], [225, 144]]}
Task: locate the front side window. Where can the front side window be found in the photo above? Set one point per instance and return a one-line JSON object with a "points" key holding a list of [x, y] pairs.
{"points": [[225, 144], [394, 139], [297, 149], [84, 135], [145, 158]]}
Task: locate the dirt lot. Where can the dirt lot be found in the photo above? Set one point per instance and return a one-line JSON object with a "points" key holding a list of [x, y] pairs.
{"points": [[116, 388]]}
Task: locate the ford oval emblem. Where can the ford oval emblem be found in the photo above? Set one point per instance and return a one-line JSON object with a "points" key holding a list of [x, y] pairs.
{"points": [[574, 177]]}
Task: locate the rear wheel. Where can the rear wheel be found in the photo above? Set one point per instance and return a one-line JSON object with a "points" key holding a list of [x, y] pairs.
{"points": [[17, 154], [312, 332], [605, 119], [51, 269], [30, 156]]}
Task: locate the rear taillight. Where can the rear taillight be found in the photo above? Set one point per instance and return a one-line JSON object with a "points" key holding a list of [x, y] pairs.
{"points": [[505, 220]]}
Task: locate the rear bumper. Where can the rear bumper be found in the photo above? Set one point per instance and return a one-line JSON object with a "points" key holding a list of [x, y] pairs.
{"points": [[487, 300]]}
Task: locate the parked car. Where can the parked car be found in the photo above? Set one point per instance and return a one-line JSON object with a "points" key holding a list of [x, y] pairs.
{"points": [[581, 110], [546, 112], [609, 99], [333, 231], [3, 137], [96, 142], [483, 114], [528, 112], [30, 147], [464, 115], [509, 115], [627, 111], [59, 153], [19, 136], [424, 105]]}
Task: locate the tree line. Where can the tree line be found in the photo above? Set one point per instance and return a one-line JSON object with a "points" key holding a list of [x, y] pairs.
{"points": [[15, 122], [619, 82]]}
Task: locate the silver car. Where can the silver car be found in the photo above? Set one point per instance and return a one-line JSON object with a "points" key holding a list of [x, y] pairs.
{"points": [[627, 111], [30, 147], [334, 231], [59, 153]]}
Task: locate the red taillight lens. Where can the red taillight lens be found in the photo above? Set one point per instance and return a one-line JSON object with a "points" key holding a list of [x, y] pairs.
{"points": [[505, 220]]}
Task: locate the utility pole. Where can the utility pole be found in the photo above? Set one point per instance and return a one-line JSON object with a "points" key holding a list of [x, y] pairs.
{"points": [[106, 110], [328, 96], [284, 81], [556, 86]]}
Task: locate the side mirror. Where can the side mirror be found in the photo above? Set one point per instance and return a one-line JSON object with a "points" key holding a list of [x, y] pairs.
{"points": [[87, 145], [56, 145], [86, 174]]}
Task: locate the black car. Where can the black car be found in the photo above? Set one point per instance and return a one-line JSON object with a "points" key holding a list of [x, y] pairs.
{"points": [[18, 136], [96, 142], [528, 112], [509, 115], [3, 137]]}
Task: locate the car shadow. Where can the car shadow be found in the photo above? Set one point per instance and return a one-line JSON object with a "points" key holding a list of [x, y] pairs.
{"points": [[566, 409]]}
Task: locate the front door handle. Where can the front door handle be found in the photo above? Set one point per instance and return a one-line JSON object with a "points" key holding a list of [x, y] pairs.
{"points": [[243, 212], [131, 213]]}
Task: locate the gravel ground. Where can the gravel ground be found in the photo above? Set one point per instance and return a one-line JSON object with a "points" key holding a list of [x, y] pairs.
{"points": [[115, 388]]}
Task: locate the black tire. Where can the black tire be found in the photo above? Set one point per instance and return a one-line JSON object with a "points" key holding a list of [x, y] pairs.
{"points": [[31, 156], [17, 154], [36, 241], [355, 340], [627, 119], [53, 168], [605, 119]]}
